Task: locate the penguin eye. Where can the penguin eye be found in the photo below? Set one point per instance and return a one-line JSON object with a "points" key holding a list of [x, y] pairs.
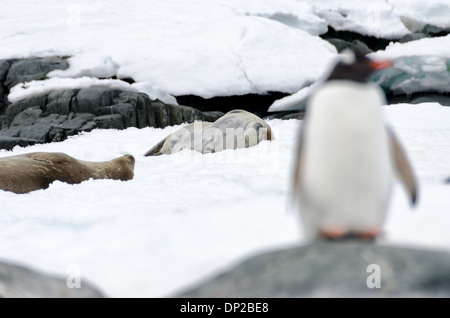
{"points": [[348, 56]]}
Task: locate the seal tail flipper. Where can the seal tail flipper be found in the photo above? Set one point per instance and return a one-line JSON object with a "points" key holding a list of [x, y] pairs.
{"points": [[155, 150], [403, 168]]}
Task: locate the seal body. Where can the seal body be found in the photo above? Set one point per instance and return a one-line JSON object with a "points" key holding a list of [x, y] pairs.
{"points": [[235, 129], [177, 140], [33, 171]]}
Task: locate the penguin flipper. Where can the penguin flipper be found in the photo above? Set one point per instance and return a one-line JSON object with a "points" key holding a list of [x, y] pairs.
{"points": [[403, 167]]}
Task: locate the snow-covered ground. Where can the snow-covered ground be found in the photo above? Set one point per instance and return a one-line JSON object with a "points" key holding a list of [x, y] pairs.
{"points": [[187, 216]]}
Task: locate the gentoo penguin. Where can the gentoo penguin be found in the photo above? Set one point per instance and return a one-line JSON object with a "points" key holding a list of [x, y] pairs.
{"points": [[346, 157]]}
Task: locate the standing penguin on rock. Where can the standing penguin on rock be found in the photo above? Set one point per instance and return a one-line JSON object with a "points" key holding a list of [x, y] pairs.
{"points": [[346, 156]]}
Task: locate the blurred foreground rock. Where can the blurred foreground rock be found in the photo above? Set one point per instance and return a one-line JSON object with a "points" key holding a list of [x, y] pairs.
{"points": [[334, 269], [21, 282]]}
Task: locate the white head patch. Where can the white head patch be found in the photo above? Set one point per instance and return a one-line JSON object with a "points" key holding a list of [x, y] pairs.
{"points": [[348, 56]]}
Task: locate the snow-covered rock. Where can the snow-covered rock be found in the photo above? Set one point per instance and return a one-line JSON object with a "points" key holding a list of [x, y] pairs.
{"points": [[419, 66]]}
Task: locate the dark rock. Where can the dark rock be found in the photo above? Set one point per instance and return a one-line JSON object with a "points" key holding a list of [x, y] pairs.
{"points": [[8, 142], [5, 65], [18, 281], [145, 114], [254, 103], [179, 114], [18, 107], [60, 101], [412, 37], [293, 116], [356, 45], [372, 42], [31, 125], [42, 127], [75, 121], [189, 114], [212, 116], [161, 114], [334, 269], [27, 117], [93, 99], [109, 121], [26, 70], [438, 98], [435, 31], [127, 111], [169, 115], [286, 115], [421, 97]]}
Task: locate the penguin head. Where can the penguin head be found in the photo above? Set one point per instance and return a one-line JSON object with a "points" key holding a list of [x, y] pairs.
{"points": [[357, 67]]}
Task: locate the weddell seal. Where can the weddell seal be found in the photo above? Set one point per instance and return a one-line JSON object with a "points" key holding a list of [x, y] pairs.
{"points": [[36, 170], [236, 129]]}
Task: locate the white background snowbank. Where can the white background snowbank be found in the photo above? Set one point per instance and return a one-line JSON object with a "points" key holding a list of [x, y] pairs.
{"points": [[207, 48]]}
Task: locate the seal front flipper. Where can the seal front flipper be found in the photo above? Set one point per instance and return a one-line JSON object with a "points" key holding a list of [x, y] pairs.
{"points": [[403, 167]]}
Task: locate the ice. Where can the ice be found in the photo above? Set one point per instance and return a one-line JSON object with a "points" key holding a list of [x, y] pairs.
{"points": [[419, 66], [165, 44], [28, 89], [433, 12], [367, 17]]}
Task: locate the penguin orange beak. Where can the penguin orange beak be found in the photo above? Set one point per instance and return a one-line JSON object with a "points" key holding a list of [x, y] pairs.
{"points": [[380, 65]]}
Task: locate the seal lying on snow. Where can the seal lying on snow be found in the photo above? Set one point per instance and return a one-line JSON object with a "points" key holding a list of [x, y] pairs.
{"points": [[236, 129], [36, 170]]}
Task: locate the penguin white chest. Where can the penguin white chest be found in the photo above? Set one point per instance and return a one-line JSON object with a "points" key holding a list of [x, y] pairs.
{"points": [[346, 163]]}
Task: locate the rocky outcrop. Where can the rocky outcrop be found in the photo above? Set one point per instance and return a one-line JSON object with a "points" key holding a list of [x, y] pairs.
{"points": [[334, 269], [55, 115], [18, 281], [15, 71]]}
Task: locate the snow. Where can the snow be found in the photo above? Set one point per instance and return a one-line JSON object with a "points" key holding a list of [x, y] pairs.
{"points": [[165, 44], [419, 66], [247, 47], [25, 90], [367, 17], [434, 12], [187, 216]]}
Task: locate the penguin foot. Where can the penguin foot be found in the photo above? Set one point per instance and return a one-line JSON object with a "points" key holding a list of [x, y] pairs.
{"points": [[333, 233], [370, 234], [337, 234]]}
